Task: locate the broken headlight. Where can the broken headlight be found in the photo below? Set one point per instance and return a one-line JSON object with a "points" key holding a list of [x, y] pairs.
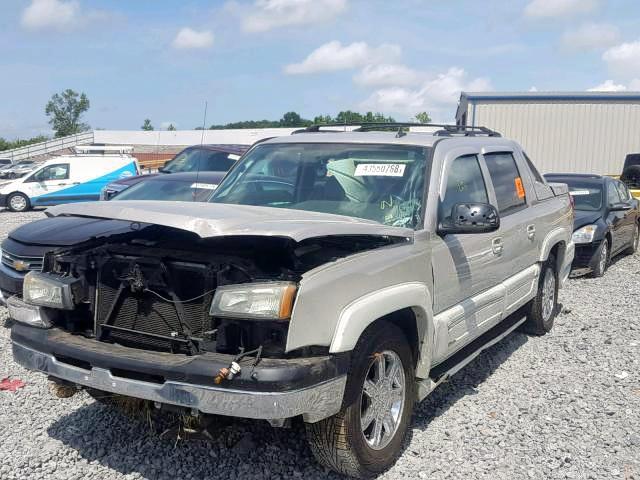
{"points": [[47, 290], [266, 300]]}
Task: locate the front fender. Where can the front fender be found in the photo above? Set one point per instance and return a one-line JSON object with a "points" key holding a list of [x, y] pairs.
{"points": [[336, 302], [357, 316]]}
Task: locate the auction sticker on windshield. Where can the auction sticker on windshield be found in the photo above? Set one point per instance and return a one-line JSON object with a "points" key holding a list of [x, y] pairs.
{"points": [[380, 170], [579, 192]]}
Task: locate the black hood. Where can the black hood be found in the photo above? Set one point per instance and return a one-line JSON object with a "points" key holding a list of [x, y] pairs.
{"points": [[65, 231], [584, 217]]}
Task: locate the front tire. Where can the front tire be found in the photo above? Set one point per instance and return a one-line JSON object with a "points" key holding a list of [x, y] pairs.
{"points": [[366, 437], [544, 307], [602, 262], [18, 202]]}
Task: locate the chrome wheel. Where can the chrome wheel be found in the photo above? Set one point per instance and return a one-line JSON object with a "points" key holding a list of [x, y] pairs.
{"points": [[383, 399], [604, 255], [18, 203], [548, 294]]}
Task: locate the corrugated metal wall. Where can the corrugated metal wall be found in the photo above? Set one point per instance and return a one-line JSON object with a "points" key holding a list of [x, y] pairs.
{"points": [[566, 136]]}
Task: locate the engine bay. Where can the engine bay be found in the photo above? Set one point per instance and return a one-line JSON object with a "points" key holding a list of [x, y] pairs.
{"points": [[152, 288]]}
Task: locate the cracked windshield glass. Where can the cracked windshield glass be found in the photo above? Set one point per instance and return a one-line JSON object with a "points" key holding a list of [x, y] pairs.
{"points": [[384, 183]]}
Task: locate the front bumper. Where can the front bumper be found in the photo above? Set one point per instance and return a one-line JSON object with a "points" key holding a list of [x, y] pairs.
{"points": [[273, 390], [586, 256]]}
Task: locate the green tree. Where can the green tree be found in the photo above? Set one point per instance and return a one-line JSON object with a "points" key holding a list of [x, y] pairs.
{"points": [[293, 119], [423, 117], [171, 127], [65, 112], [146, 126]]}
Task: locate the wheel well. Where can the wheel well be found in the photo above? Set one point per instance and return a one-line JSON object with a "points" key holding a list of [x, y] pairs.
{"points": [[405, 320], [557, 250]]}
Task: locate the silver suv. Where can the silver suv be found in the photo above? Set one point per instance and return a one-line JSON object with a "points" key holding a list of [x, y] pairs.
{"points": [[335, 276]]}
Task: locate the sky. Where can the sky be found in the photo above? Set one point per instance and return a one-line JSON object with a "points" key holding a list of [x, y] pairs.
{"points": [[255, 59]]}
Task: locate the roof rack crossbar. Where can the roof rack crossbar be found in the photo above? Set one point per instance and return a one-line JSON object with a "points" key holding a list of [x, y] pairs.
{"points": [[444, 129]]}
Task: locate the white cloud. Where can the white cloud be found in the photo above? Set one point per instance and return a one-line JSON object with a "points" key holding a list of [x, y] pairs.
{"points": [[559, 8], [437, 95], [265, 15], [533, 89], [634, 85], [51, 15], [384, 75], [187, 38], [608, 86], [624, 60], [333, 56], [591, 36]]}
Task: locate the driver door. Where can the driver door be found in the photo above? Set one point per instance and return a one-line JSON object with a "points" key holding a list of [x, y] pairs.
{"points": [[47, 184], [468, 295]]}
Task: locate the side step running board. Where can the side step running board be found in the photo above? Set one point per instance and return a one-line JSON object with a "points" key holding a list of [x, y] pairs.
{"points": [[458, 360]]}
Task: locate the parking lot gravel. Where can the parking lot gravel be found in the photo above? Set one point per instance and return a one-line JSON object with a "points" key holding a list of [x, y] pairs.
{"points": [[566, 405]]}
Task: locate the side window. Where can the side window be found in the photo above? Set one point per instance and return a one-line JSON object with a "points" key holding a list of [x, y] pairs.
{"points": [[625, 196], [613, 196], [543, 190], [536, 175], [465, 183], [216, 162], [507, 182], [52, 172]]}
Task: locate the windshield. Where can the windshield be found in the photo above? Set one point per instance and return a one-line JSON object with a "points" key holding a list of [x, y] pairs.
{"points": [[196, 159], [384, 183], [168, 190], [586, 197]]}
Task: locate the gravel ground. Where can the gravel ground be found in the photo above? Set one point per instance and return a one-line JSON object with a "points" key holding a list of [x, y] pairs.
{"points": [[566, 405]]}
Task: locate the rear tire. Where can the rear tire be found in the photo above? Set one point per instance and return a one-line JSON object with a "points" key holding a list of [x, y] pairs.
{"points": [[544, 307], [18, 202], [633, 248], [383, 401], [603, 257]]}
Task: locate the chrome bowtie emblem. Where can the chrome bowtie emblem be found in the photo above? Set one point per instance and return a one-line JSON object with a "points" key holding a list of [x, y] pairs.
{"points": [[20, 266]]}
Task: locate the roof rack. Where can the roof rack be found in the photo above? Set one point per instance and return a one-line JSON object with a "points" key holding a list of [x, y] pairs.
{"points": [[444, 129]]}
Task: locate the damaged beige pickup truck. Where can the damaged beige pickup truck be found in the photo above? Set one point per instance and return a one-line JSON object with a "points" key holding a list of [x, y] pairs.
{"points": [[334, 276]]}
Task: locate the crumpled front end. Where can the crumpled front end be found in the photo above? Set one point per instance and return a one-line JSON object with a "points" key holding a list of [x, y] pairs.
{"points": [[165, 315]]}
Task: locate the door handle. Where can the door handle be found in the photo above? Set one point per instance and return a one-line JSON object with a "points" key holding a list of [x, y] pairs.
{"points": [[531, 231], [61, 184], [496, 246]]}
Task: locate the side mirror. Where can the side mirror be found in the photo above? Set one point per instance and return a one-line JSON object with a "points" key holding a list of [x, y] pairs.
{"points": [[620, 207], [471, 218], [161, 169]]}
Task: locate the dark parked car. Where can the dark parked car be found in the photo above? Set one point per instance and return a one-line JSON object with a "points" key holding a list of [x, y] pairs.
{"points": [[606, 220], [179, 187], [20, 254], [5, 161], [203, 158]]}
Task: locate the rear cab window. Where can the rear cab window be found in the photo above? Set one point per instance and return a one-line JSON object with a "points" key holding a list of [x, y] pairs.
{"points": [[507, 182]]}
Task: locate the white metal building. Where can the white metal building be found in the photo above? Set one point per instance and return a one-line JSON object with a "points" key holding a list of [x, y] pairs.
{"points": [[585, 132]]}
